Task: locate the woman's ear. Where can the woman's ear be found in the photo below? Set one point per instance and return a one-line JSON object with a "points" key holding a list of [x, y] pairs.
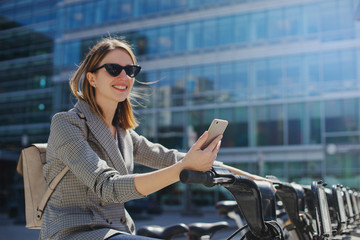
{"points": [[91, 78]]}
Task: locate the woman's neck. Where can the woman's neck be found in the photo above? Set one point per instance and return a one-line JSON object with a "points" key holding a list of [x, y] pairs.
{"points": [[108, 117], [108, 110]]}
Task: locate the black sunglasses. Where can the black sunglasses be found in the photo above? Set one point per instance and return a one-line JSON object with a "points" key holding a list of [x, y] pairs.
{"points": [[115, 69]]}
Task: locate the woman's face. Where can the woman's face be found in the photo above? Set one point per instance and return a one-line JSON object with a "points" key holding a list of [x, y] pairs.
{"points": [[109, 89]]}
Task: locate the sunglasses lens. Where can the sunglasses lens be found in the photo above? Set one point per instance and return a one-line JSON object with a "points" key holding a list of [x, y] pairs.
{"points": [[113, 69], [132, 71]]}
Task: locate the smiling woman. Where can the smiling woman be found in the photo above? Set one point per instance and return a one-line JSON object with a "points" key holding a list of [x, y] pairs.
{"points": [[89, 201]]}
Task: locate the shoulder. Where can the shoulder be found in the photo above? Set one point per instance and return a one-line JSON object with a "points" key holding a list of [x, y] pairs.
{"points": [[134, 135], [66, 116], [66, 121]]}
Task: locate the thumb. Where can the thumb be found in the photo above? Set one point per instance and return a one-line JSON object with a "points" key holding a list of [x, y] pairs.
{"points": [[201, 140]]}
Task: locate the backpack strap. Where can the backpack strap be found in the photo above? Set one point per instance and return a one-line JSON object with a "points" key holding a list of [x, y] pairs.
{"points": [[57, 179], [49, 191]]}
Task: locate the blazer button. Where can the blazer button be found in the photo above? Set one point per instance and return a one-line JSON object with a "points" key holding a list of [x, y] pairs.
{"points": [[123, 220], [102, 203], [108, 221]]}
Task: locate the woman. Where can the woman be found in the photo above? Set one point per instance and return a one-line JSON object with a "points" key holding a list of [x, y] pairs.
{"points": [[89, 201]]}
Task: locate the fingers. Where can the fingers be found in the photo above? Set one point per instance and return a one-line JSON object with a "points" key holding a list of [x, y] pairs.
{"points": [[201, 140], [202, 160], [214, 145]]}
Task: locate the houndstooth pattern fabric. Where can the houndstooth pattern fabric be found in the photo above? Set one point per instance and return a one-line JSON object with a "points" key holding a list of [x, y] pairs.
{"points": [[89, 201]]}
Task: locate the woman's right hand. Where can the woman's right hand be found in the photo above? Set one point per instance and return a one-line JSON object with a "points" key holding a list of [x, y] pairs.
{"points": [[202, 160]]}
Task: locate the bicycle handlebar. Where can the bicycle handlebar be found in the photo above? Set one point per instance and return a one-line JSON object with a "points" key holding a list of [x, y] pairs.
{"points": [[194, 177]]}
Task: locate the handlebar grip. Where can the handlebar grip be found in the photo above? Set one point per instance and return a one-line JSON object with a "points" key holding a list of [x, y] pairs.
{"points": [[190, 176]]}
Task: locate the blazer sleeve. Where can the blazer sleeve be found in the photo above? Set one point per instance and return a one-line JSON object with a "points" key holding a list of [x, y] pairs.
{"points": [[152, 154], [68, 145]]}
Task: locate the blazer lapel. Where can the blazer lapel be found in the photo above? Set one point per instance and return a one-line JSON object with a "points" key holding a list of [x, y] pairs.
{"points": [[126, 148], [102, 133]]}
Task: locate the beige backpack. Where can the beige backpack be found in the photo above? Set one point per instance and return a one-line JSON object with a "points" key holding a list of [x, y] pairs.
{"points": [[37, 192]]}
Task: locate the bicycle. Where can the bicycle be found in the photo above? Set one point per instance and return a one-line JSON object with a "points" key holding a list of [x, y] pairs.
{"points": [[255, 199], [292, 196]]}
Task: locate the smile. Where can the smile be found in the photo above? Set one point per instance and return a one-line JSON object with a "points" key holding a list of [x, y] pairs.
{"points": [[120, 87]]}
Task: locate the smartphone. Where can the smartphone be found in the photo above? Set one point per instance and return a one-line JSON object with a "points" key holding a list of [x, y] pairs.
{"points": [[216, 128]]}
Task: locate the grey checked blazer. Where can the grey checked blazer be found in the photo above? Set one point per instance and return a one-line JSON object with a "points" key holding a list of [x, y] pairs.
{"points": [[89, 201]]}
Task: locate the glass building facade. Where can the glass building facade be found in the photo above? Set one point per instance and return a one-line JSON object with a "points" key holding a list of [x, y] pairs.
{"points": [[285, 74], [27, 31]]}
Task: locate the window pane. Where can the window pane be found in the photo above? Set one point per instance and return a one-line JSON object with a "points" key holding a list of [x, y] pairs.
{"points": [[171, 88], [259, 26], [343, 166], [147, 126], [277, 169], [201, 85], [241, 80], [195, 36], [150, 98], [226, 82], [241, 28], [276, 23], [164, 88], [314, 122], [89, 13], [312, 74], [331, 66], [165, 43], [210, 33], [113, 11], [348, 68], [226, 30], [180, 32], [261, 74], [311, 18], [275, 73], [296, 122], [192, 83], [269, 125], [150, 41], [294, 81], [126, 9], [236, 134], [301, 170], [100, 12], [329, 17], [293, 21], [207, 86], [341, 115], [178, 88], [171, 132], [346, 19]]}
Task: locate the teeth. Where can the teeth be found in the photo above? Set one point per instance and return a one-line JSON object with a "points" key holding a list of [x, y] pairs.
{"points": [[120, 87]]}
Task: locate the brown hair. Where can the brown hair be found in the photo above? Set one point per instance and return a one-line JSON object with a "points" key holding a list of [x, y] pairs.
{"points": [[82, 89]]}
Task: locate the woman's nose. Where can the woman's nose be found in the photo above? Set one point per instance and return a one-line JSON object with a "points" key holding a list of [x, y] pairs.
{"points": [[122, 74]]}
